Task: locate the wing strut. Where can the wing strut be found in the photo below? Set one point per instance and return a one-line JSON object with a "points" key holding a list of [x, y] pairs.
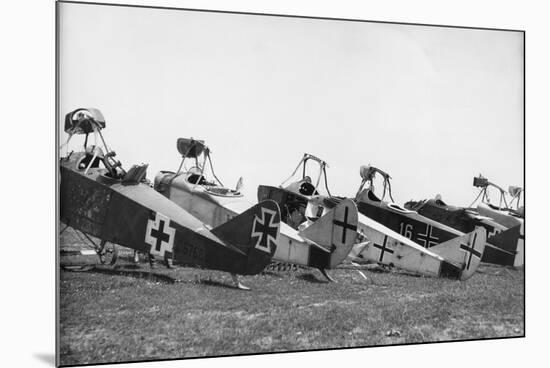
{"points": [[322, 171], [368, 174], [484, 184]]}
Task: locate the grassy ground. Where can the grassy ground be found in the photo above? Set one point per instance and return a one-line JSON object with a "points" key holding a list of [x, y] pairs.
{"points": [[129, 314]]}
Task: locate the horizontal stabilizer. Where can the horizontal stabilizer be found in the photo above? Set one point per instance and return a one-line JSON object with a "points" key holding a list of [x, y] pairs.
{"points": [[464, 251]]}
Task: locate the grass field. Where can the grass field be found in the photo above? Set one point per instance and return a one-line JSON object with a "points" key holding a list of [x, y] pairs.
{"points": [[109, 316]]}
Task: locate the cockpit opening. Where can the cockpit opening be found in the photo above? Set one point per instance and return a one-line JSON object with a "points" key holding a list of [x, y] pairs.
{"points": [[308, 189], [371, 196], [92, 158], [197, 179]]}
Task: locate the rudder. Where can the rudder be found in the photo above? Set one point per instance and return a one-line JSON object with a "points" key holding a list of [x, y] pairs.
{"points": [[507, 248], [255, 232], [336, 230], [464, 251]]}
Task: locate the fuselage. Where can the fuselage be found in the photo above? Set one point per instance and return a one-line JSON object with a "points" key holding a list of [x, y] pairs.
{"points": [[134, 215], [378, 243], [216, 205], [508, 241], [410, 224], [455, 217], [211, 204]]}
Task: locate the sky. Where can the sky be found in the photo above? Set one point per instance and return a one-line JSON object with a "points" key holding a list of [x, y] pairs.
{"points": [[432, 106]]}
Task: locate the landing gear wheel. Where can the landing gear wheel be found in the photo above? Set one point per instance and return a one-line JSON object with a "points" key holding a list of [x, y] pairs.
{"points": [[107, 255]]}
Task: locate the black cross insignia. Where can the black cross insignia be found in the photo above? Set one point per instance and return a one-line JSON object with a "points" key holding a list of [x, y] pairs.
{"points": [[160, 235], [264, 230], [472, 251], [427, 238], [383, 248], [344, 224]]}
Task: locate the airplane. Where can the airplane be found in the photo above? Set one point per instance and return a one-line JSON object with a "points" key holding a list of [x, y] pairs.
{"points": [[501, 249], [465, 220], [99, 198], [458, 257], [515, 192], [503, 213], [322, 245]]}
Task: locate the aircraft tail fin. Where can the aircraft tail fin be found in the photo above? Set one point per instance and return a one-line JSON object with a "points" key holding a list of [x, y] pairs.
{"points": [[254, 232], [520, 255], [336, 230], [508, 247], [464, 251]]}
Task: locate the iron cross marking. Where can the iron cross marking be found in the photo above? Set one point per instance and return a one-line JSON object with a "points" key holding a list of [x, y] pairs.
{"points": [[428, 239], [264, 229], [344, 224], [160, 235], [383, 248], [471, 250]]}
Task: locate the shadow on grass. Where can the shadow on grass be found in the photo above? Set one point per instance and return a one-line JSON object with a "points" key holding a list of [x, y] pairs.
{"points": [[497, 270], [380, 269], [132, 266], [276, 274], [218, 284], [309, 277], [370, 267], [411, 274], [133, 272]]}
